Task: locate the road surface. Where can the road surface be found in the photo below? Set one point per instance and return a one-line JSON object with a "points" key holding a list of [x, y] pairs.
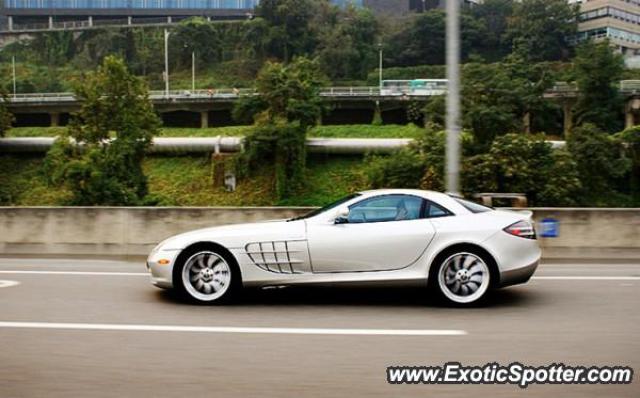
{"points": [[98, 328]]}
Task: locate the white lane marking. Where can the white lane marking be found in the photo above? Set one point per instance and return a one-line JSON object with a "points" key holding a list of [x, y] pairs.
{"points": [[93, 273], [587, 278], [6, 283], [224, 329]]}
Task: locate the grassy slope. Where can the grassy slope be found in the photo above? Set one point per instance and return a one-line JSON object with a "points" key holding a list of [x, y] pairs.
{"points": [[347, 131], [187, 181]]}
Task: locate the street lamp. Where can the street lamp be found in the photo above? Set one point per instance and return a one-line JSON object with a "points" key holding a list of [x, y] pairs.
{"points": [[13, 68], [380, 65], [166, 62]]}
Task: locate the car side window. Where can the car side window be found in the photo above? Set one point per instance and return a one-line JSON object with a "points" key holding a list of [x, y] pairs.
{"points": [[433, 210], [386, 208]]}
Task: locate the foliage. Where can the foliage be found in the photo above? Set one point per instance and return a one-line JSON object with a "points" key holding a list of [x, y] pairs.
{"points": [[631, 145], [600, 160], [347, 48], [494, 15], [419, 166], [423, 40], [598, 69], [291, 29], [6, 117], [523, 164], [100, 157], [497, 97], [540, 30], [289, 106]]}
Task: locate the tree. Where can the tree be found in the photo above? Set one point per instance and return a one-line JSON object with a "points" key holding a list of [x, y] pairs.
{"points": [[598, 70], [494, 15], [347, 49], [524, 164], [6, 117], [631, 143], [100, 158], [600, 160], [423, 40], [540, 30], [292, 32], [289, 104]]}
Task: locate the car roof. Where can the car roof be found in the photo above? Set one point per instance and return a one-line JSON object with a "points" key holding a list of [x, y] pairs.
{"points": [[438, 197]]}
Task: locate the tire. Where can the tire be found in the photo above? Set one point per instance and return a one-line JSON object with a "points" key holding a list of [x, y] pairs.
{"points": [[207, 276], [462, 278]]}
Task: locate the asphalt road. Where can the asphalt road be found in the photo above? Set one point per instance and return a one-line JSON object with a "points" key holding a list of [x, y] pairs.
{"points": [[561, 316]]}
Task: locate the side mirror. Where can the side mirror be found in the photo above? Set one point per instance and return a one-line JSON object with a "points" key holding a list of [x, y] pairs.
{"points": [[342, 216]]}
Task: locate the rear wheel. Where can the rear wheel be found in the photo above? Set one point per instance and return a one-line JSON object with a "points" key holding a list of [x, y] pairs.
{"points": [[463, 278], [207, 277]]}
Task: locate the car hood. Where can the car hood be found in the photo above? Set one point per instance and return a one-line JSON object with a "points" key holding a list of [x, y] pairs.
{"points": [[238, 235]]}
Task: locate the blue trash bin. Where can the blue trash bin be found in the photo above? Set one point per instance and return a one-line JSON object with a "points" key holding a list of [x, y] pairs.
{"points": [[549, 228]]}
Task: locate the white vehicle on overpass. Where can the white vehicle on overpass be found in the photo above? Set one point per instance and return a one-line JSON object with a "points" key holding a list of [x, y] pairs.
{"points": [[405, 237]]}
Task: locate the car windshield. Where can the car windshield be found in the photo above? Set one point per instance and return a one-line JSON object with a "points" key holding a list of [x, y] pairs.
{"points": [[327, 207]]}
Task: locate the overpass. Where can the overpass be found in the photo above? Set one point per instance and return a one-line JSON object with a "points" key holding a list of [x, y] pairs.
{"points": [[212, 107], [567, 95]]}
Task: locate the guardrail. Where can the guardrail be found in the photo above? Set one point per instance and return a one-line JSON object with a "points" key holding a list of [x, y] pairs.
{"points": [[87, 24], [230, 93]]}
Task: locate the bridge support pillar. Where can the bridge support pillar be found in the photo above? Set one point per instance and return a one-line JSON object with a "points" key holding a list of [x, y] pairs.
{"points": [[526, 123], [631, 108], [55, 119], [129, 20], [50, 22], [377, 115], [169, 19], [90, 21], [10, 23], [204, 119], [567, 120]]}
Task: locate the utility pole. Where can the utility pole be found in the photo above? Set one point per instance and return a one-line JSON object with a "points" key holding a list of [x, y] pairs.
{"points": [[453, 97], [193, 71], [13, 68], [166, 62]]}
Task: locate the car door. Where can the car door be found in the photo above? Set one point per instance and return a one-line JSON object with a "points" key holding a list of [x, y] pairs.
{"points": [[381, 233]]}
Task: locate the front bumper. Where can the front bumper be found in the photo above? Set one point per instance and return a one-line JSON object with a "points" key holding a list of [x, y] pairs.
{"points": [[162, 274]]}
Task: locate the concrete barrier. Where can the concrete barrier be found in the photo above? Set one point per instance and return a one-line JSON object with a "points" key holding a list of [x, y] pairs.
{"points": [[132, 232]]}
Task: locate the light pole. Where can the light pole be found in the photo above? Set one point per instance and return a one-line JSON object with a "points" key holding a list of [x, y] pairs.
{"points": [[13, 68], [166, 62], [380, 66], [453, 97], [193, 71]]}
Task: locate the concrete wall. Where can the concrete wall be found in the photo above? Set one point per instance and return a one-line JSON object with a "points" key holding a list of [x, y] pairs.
{"points": [[132, 232]]}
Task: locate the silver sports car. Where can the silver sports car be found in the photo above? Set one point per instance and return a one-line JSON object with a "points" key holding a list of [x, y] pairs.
{"points": [[457, 248]]}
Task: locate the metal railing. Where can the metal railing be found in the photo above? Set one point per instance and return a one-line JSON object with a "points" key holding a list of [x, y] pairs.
{"points": [[223, 93], [90, 24]]}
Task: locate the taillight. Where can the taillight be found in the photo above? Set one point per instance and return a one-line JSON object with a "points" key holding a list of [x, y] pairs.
{"points": [[522, 229]]}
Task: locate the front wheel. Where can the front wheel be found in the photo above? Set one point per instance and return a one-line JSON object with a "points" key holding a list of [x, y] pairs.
{"points": [[463, 278], [207, 277]]}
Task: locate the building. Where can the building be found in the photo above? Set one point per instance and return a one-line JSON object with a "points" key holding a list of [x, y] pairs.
{"points": [[88, 13], [404, 7], [64, 13], [616, 20]]}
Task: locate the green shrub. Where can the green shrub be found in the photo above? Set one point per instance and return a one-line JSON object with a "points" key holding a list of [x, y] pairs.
{"points": [[601, 162]]}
